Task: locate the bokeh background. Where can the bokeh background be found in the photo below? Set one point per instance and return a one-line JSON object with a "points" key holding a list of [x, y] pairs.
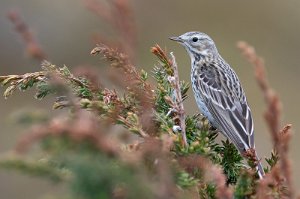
{"points": [[64, 29]]}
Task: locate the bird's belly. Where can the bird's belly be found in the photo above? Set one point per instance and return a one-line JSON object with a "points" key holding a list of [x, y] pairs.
{"points": [[202, 106]]}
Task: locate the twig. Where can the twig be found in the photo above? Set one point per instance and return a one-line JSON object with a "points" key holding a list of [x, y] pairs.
{"points": [[83, 127], [179, 101], [211, 173], [133, 78], [223, 191], [274, 107], [33, 47], [272, 114], [162, 56], [119, 14], [99, 9], [285, 165]]}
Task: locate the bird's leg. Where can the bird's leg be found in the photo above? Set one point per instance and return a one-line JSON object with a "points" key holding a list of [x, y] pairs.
{"points": [[212, 128]]}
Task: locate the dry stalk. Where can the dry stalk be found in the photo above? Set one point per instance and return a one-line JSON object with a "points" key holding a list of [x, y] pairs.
{"points": [[83, 128], [154, 148], [272, 114], [212, 172], [99, 9], [89, 73], [223, 191], [133, 78], [285, 136], [162, 55], [119, 14], [32, 46], [274, 107], [179, 101]]}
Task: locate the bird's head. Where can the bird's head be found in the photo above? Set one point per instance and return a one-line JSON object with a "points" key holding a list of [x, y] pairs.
{"points": [[197, 43]]}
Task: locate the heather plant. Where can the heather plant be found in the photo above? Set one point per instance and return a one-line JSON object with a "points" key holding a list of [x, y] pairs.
{"points": [[138, 142]]}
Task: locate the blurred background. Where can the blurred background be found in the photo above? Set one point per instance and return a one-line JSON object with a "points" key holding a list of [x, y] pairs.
{"points": [[64, 30]]}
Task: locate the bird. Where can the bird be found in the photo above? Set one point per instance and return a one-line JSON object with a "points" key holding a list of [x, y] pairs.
{"points": [[218, 92]]}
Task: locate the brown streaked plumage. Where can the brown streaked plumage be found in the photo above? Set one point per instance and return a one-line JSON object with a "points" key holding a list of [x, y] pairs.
{"points": [[218, 91]]}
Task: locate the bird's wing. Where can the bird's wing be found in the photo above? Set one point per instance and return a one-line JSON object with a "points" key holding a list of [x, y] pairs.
{"points": [[226, 102]]}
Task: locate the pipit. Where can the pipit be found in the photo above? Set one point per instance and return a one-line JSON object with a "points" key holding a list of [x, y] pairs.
{"points": [[218, 92]]}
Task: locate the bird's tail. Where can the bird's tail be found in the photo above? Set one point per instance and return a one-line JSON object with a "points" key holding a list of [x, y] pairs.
{"points": [[260, 169]]}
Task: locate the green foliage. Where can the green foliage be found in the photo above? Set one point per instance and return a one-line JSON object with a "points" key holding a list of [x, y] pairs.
{"points": [[185, 180], [207, 191], [90, 152], [245, 186], [202, 140], [88, 172], [41, 168], [272, 161], [43, 89], [231, 162], [103, 178], [52, 79], [21, 82]]}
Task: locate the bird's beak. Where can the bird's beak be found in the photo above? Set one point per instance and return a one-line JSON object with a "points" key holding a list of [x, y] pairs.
{"points": [[178, 39]]}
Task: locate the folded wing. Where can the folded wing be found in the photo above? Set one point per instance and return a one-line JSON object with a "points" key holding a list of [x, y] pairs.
{"points": [[226, 102]]}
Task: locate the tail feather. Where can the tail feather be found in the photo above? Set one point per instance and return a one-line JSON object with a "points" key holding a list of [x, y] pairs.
{"points": [[260, 169]]}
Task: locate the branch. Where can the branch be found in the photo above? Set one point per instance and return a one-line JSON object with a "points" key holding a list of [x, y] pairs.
{"points": [[32, 46], [36, 168], [272, 114], [119, 14], [179, 100]]}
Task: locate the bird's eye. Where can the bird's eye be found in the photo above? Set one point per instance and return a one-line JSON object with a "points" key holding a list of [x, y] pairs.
{"points": [[195, 39]]}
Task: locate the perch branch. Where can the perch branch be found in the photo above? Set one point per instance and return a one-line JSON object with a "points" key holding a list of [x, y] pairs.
{"points": [[179, 101]]}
